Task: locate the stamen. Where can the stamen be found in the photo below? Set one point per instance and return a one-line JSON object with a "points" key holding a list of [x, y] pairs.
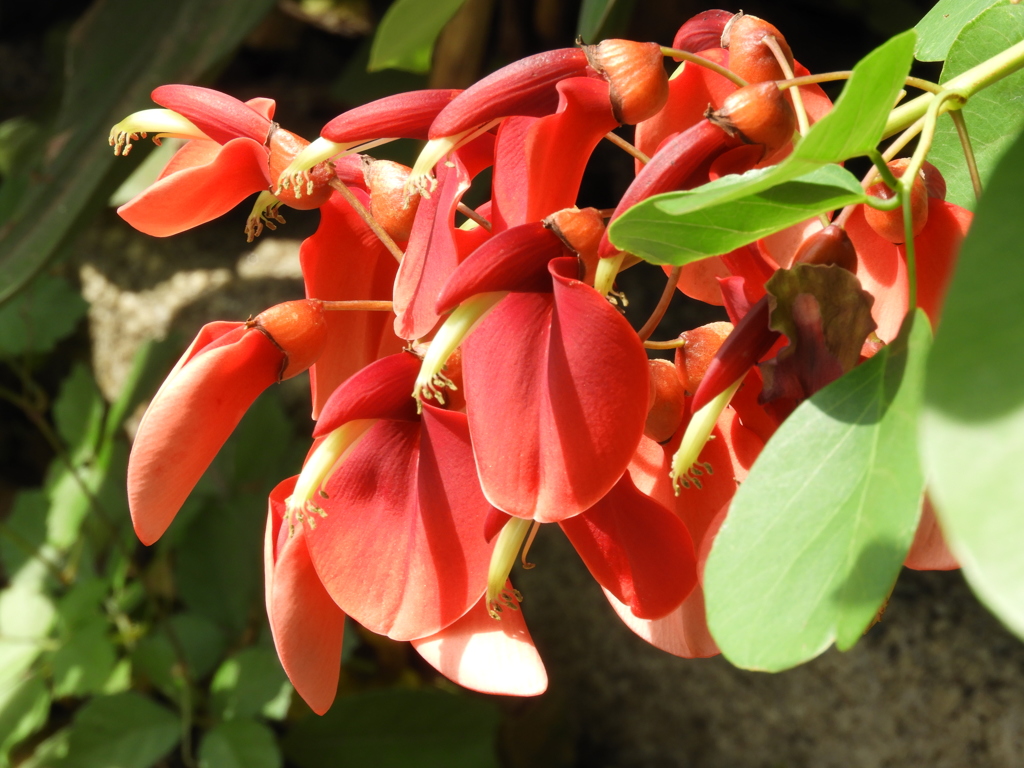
{"points": [[316, 152], [421, 181], [320, 465], [431, 382], [685, 469], [526, 550], [265, 211], [607, 270], [163, 122], [506, 547]]}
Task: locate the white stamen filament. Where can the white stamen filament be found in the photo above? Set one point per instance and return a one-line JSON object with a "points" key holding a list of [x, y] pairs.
{"points": [[163, 122], [697, 433], [506, 549], [322, 464], [457, 326], [421, 181], [264, 213]]}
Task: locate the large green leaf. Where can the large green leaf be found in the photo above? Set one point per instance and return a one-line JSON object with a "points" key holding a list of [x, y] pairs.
{"points": [[117, 53], [407, 33], [40, 317], [239, 744], [853, 127], [397, 729], [126, 730], [994, 116], [667, 230], [24, 707], [246, 683], [816, 535], [941, 25], [972, 438]]}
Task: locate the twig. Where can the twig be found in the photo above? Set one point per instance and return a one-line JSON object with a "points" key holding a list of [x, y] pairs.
{"points": [[339, 186], [659, 311]]}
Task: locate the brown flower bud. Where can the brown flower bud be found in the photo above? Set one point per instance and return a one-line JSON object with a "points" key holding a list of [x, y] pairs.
{"points": [[636, 75], [693, 359], [829, 246], [889, 224], [749, 57], [580, 230], [757, 114], [388, 204], [668, 401]]}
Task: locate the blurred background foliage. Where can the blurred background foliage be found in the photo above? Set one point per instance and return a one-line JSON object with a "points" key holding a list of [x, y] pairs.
{"points": [[114, 654]]}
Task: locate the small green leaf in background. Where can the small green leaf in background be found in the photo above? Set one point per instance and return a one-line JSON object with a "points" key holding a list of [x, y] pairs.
{"points": [[816, 535], [26, 617], [25, 557], [247, 683], [994, 116], [46, 312], [239, 744], [407, 33], [972, 438], [24, 708], [397, 729], [941, 25], [78, 413], [127, 730], [85, 658], [665, 230]]}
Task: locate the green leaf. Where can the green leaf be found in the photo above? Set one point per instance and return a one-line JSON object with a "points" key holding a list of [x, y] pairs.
{"points": [[397, 729], [46, 312], [200, 642], [24, 708], [941, 25], [26, 617], [817, 534], [126, 730], [78, 413], [407, 33], [972, 436], [116, 54], [84, 662], [853, 127], [246, 683], [666, 229], [599, 19], [23, 549], [994, 116], [239, 744]]}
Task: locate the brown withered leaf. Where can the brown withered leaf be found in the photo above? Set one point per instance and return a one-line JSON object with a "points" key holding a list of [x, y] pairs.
{"points": [[827, 316]]}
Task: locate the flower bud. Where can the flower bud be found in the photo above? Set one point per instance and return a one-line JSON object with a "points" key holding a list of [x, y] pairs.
{"points": [[702, 32], [284, 146], [668, 401], [636, 75], [298, 329], [693, 359], [580, 230], [889, 224], [388, 204], [757, 114], [749, 57], [830, 245]]}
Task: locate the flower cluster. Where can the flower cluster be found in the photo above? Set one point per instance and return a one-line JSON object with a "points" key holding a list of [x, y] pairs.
{"points": [[510, 391]]}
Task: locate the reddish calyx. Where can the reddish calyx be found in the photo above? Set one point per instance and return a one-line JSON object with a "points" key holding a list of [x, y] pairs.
{"points": [[668, 401], [636, 74], [830, 245], [757, 114], [298, 329], [693, 358], [749, 56], [388, 204]]}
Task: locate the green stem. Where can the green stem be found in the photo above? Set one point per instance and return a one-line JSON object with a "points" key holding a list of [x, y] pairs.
{"points": [[883, 169], [964, 85], [906, 185], [706, 63], [965, 144]]}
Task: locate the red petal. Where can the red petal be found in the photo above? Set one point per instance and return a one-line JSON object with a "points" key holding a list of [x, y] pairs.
{"points": [[434, 248], [344, 259], [306, 623], [936, 249], [882, 272], [929, 551], [219, 116], [487, 655], [188, 421], [197, 194], [402, 116], [264, 106], [684, 632], [637, 549], [381, 390], [570, 373], [402, 549], [524, 87]]}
